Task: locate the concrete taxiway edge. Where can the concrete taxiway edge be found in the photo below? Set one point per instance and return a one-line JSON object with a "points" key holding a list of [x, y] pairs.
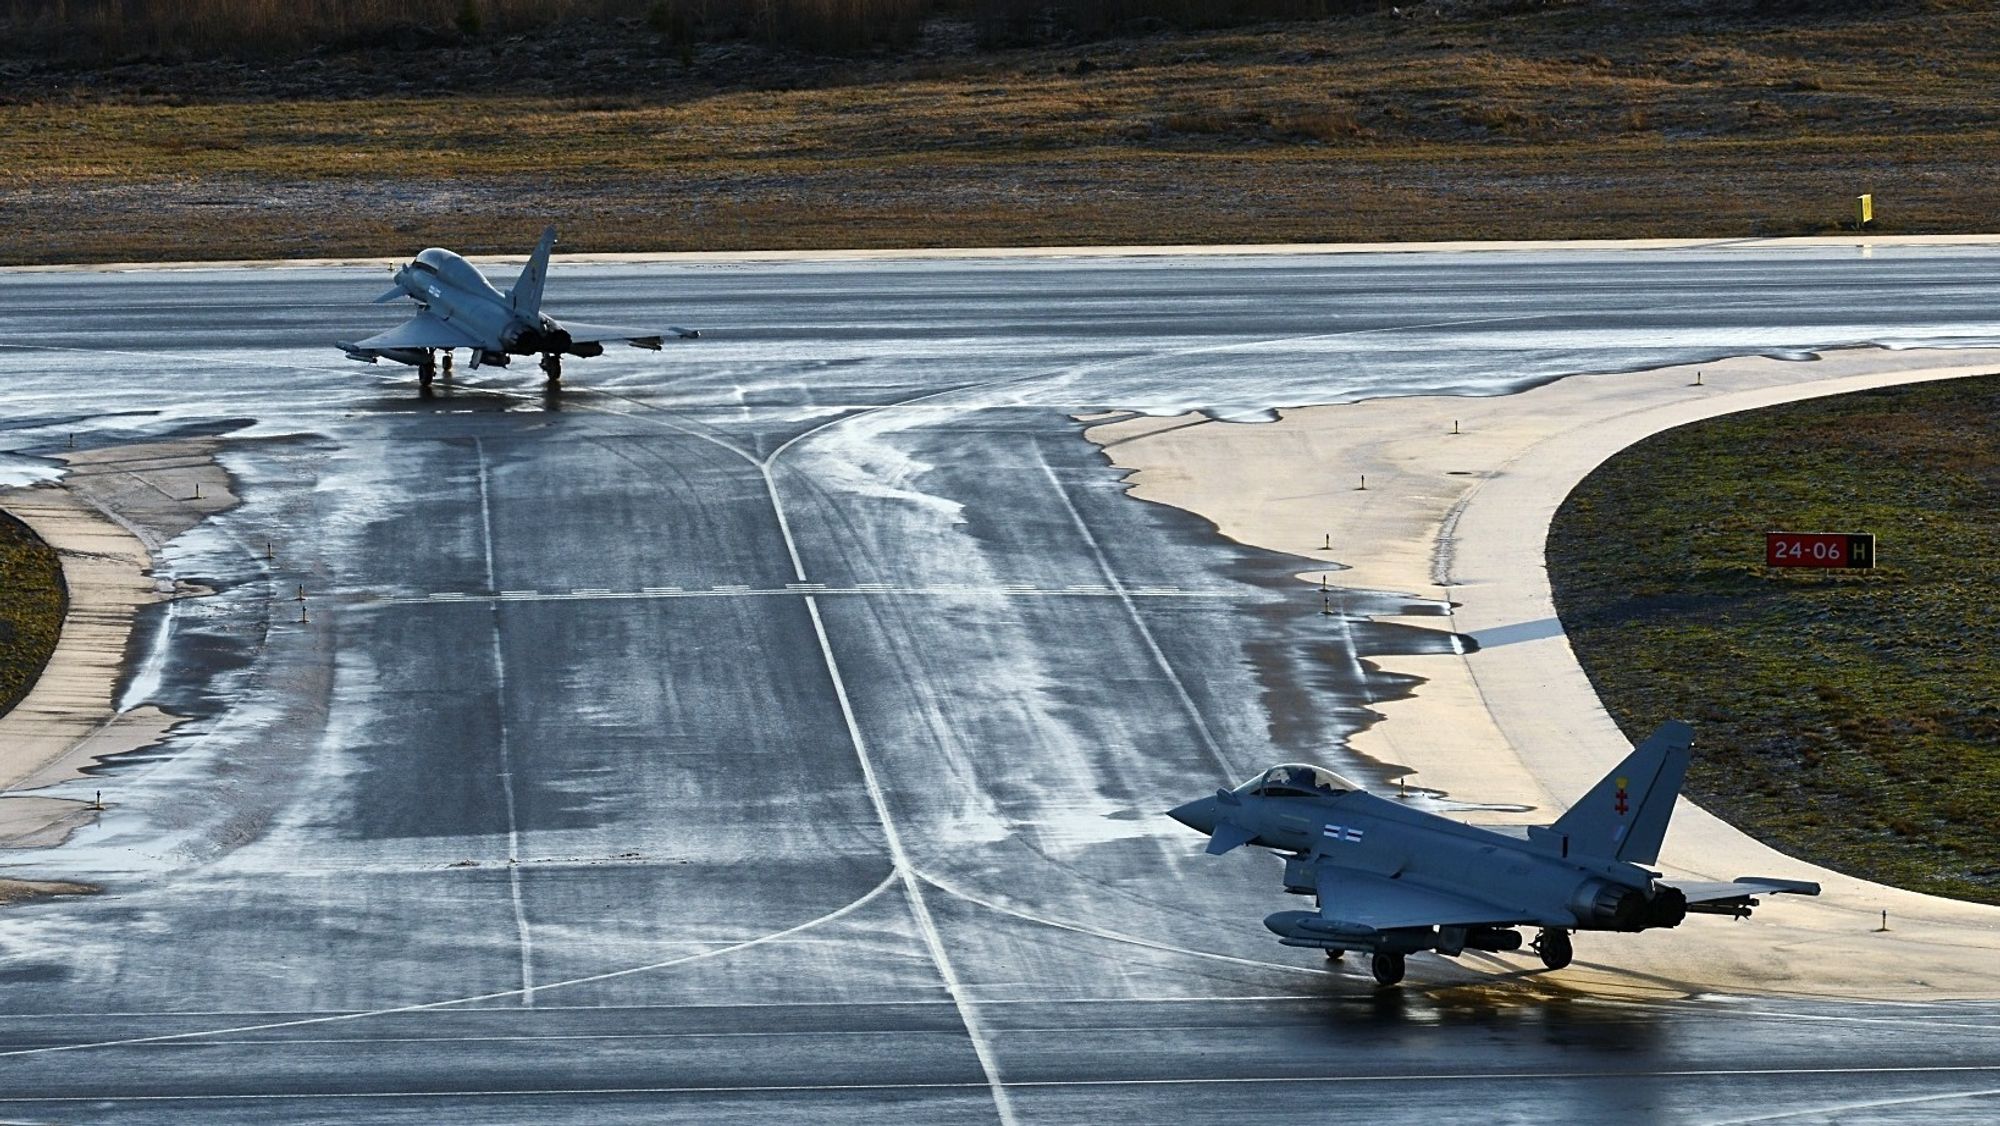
{"points": [[104, 521], [726, 257], [105, 568], [1459, 494]]}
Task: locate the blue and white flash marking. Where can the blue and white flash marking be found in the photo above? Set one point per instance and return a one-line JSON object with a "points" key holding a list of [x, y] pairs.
{"points": [[1341, 833]]}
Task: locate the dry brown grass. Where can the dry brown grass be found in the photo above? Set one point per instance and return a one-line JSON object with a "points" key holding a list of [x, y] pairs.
{"points": [[1364, 128], [21, 891]]}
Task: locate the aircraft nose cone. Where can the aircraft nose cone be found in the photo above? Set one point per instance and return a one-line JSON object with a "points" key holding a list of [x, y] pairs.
{"points": [[1198, 815]]}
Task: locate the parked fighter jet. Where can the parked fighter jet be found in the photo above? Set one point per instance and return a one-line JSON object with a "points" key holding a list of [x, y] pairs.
{"points": [[459, 308], [1392, 880]]}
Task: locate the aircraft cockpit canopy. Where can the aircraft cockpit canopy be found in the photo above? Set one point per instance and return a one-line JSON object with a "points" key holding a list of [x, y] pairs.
{"points": [[451, 268], [1298, 780]]}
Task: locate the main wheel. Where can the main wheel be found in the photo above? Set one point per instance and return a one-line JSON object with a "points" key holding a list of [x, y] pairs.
{"points": [[426, 371], [1387, 968], [1555, 948], [552, 367]]}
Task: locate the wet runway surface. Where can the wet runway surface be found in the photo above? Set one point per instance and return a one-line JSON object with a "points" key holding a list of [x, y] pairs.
{"points": [[777, 727]]}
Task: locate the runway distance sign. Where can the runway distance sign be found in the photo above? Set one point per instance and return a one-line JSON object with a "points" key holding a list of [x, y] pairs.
{"points": [[1819, 549]]}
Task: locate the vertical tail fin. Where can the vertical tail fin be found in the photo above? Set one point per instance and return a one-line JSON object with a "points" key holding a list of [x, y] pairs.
{"points": [[1625, 815], [526, 296]]}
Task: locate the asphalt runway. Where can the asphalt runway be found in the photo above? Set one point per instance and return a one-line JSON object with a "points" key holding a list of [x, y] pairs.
{"points": [[776, 728]]}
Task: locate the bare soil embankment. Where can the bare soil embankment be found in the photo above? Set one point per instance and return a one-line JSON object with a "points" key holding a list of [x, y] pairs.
{"points": [[1451, 121]]}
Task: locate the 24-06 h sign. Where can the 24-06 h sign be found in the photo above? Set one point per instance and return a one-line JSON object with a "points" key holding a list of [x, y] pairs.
{"points": [[1819, 549]]}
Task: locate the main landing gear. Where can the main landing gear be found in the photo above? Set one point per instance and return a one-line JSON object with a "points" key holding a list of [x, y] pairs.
{"points": [[552, 367], [428, 367], [1387, 968], [1554, 946]]}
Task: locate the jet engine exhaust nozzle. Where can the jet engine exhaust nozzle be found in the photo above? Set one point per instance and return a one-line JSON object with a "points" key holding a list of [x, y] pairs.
{"points": [[1599, 904], [548, 341]]}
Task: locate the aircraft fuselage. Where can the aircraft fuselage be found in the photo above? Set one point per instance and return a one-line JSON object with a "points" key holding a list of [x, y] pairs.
{"points": [[455, 292], [1375, 838]]}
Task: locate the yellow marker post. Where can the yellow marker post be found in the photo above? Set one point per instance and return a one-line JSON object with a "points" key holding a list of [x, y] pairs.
{"points": [[1864, 209]]}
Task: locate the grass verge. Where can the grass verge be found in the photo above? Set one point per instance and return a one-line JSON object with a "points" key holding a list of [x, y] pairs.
{"points": [[32, 602], [1849, 718]]}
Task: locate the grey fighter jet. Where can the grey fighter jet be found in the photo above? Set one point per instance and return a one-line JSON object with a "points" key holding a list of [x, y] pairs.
{"points": [[1391, 880], [458, 308]]}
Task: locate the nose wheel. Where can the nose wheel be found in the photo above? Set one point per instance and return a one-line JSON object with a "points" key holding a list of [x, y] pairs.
{"points": [[552, 367]]}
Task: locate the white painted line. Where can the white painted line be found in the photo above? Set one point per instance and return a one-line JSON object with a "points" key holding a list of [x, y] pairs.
{"points": [[591, 590], [762, 1034], [1829, 1111], [1145, 633], [1417, 1077], [1114, 936], [461, 1008], [1003, 1104], [1011, 590], [524, 939], [912, 893], [433, 1006]]}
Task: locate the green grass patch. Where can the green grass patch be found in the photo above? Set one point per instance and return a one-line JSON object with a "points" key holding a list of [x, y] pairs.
{"points": [[1848, 718], [32, 602]]}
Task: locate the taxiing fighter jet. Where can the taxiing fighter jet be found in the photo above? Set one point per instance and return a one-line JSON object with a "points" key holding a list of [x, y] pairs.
{"points": [[1392, 880], [459, 308]]}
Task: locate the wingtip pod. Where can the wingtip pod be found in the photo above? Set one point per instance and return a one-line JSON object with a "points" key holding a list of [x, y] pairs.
{"points": [[1772, 885]]}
